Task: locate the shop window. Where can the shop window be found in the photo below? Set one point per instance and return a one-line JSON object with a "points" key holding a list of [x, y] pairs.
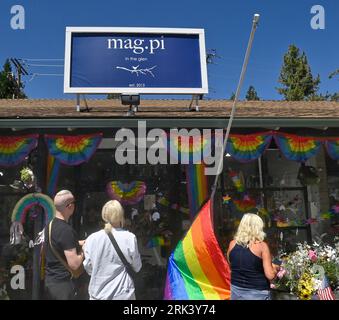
{"points": [[270, 188]]}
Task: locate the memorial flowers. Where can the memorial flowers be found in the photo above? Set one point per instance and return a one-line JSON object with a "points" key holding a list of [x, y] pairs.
{"points": [[303, 270]]}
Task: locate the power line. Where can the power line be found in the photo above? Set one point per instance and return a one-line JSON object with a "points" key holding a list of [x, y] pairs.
{"points": [[44, 65], [44, 74], [29, 59]]}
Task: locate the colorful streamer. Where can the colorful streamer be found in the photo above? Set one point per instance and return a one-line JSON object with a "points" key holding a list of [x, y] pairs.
{"points": [[297, 148], [166, 203], [126, 193], [197, 269], [53, 166], [23, 206], [196, 187], [245, 148], [13, 150], [73, 150]]}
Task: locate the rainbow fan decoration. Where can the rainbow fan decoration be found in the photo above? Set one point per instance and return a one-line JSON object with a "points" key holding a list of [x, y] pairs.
{"points": [[245, 148], [332, 147], [188, 149], [197, 269], [23, 206], [73, 150], [196, 187], [13, 150], [297, 148], [126, 193]]}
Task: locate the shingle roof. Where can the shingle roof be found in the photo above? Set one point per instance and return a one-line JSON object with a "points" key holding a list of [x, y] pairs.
{"points": [[43, 108]]}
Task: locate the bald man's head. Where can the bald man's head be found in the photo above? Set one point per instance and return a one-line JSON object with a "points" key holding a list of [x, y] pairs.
{"points": [[62, 199]]}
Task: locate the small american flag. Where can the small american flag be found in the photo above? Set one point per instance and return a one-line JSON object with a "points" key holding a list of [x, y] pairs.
{"points": [[325, 292]]}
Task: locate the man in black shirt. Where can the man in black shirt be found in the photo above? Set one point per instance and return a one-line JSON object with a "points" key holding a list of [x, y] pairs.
{"points": [[64, 255]]}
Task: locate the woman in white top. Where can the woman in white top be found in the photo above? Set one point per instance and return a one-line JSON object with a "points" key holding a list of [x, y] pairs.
{"points": [[109, 278]]}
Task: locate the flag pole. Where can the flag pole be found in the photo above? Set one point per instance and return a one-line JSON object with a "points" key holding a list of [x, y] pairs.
{"points": [[241, 80]]}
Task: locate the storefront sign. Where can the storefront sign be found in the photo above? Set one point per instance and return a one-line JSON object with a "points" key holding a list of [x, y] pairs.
{"points": [[135, 60]]}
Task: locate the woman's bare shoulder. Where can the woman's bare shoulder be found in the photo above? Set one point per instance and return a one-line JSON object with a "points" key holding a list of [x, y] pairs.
{"points": [[232, 244]]}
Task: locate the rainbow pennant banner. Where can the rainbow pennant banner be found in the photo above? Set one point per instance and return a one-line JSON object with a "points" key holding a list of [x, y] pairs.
{"points": [[245, 148], [188, 149], [53, 168], [197, 187], [126, 193], [73, 150], [297, 148], [197, 269], [13, 150]]}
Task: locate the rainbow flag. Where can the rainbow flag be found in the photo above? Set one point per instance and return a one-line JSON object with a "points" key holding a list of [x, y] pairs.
{"points": [[197, 269], [196, 187], [53, 168]]}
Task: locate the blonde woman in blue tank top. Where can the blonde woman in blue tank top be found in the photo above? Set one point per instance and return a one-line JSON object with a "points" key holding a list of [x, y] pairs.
{"points": [[250, 261]]}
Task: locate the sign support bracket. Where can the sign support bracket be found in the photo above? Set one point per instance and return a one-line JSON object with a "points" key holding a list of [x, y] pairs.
{"points": [[78, 109], [194, 105]]}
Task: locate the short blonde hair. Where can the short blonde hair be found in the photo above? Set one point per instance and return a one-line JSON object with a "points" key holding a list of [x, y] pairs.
{"points": [[113, 214], [250, 230]]}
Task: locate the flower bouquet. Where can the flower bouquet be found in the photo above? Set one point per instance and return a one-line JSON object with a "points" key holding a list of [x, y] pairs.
{"points": [[310, 271]]}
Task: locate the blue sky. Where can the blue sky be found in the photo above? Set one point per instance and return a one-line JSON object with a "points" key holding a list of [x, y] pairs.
{"points": [[227, 25]]}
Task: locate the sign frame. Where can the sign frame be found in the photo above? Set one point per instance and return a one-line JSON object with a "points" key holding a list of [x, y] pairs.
{"points": [[127, 90]]}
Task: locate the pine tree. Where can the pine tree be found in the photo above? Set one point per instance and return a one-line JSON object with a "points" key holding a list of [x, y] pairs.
{"points": [[232, 97], [296, 77], [9, 87], [334, 96], [251, 94]]}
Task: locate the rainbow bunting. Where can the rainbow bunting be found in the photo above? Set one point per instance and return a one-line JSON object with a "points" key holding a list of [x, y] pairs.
{"points": [[197, 269], [13, 150], [73, 150], [188, 149], [196, 187], [332, 147], [245, 148], [53, 166], [297, 148], [126, 193]]}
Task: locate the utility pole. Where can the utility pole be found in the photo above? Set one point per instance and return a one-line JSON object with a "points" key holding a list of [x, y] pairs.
{"points": [[19, 71]]}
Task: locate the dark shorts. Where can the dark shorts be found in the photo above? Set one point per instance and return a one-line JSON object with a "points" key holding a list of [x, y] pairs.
{"points": [[60, 290]]}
